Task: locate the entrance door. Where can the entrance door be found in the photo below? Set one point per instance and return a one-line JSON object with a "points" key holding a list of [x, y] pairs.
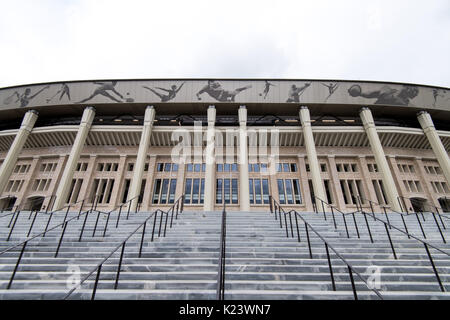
{"points": [[34, 204], [419, 204], [7, 204], [445, 204]]}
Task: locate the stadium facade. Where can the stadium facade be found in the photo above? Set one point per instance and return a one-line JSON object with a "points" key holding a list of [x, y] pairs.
{"points": [[106, 142]]}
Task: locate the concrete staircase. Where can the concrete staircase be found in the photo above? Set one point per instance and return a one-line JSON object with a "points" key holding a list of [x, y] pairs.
{"points": [[261, 262]]}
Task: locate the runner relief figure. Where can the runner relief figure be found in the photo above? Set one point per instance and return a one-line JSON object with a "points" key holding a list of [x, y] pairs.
{"points": [[214, 89], [103, 91], [171, 93]]}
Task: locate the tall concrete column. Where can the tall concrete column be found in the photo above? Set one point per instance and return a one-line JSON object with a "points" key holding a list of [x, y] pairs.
{"points": [[305, 118], [8, 165], [210, 155], [244, 189], [436, 144], [136, 182], [380, 158], [64, 184]]}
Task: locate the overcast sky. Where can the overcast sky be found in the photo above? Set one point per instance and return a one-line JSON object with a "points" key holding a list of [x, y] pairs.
{"points": [[385, 40]]}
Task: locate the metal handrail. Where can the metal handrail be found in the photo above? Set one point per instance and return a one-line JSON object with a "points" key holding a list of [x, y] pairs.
{"points": [[220, 295], [42, 233], [122, 245], [328, 246], [427, 245]]}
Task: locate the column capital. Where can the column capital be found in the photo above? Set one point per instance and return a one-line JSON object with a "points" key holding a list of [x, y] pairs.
{"points": [[425, 120], [149, 116], [243, 116], [211, 116]]}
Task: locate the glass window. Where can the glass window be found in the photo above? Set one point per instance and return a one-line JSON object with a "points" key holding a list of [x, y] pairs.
{"points": [[167, 167], [165, 189], [264, 167], [297, 192], [250, 168], [258, 196], [235, 197], [266, 193], [204, 167], [156, 191], [279, 167], [219, 187], [294, 167], [196, 191], [234, 167], [256, 168], [202, 192], [173, 188], [226, 188], [281, 191], [198, 168], [188, 191], [289, 194], [227, 167], [220, 168], [175, 167], [286, 167], [250, 185], [190, 167], [160, 167]]}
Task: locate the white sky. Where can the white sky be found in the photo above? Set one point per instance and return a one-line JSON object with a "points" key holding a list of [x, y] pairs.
{"points": [[385, 40]]}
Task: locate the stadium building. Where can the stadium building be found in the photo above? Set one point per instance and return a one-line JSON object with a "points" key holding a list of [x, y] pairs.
{"points": [[111, 141], [224, 189]]}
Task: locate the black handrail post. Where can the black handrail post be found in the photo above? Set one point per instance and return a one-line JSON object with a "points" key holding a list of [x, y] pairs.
{"points": [[17, 266], [355, 295], [323, 210], [331, 267], [368, 227], [81, 210], [61, 239], [116, 284], [279, 215], [434, 268], [31, 214], [129, 208], [271, 205], [296, 223], [12, 228], [406, 228], [439, 227], [142, 239], [390, 241], [67, 213], [84, 224], [356, 225], [309, 242], [292, 227], [286, 224], [165, 225], [154, 224], [48, 223], [171, 217], [160, 223], [12, 218], [440, 218], [346, 227], [420, 224], [97, 278], [334, 218], [388, 221], [118, 216], [32, 224], [96, 223], [106, 225]]}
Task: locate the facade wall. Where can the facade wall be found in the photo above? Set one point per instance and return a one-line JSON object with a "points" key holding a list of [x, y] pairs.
{"points": [[347, 173]]}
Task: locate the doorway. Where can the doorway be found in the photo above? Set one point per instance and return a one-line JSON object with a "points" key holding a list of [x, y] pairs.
{"points": [[7, 204], [34, 204], [418, 204], [445, 204]]}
